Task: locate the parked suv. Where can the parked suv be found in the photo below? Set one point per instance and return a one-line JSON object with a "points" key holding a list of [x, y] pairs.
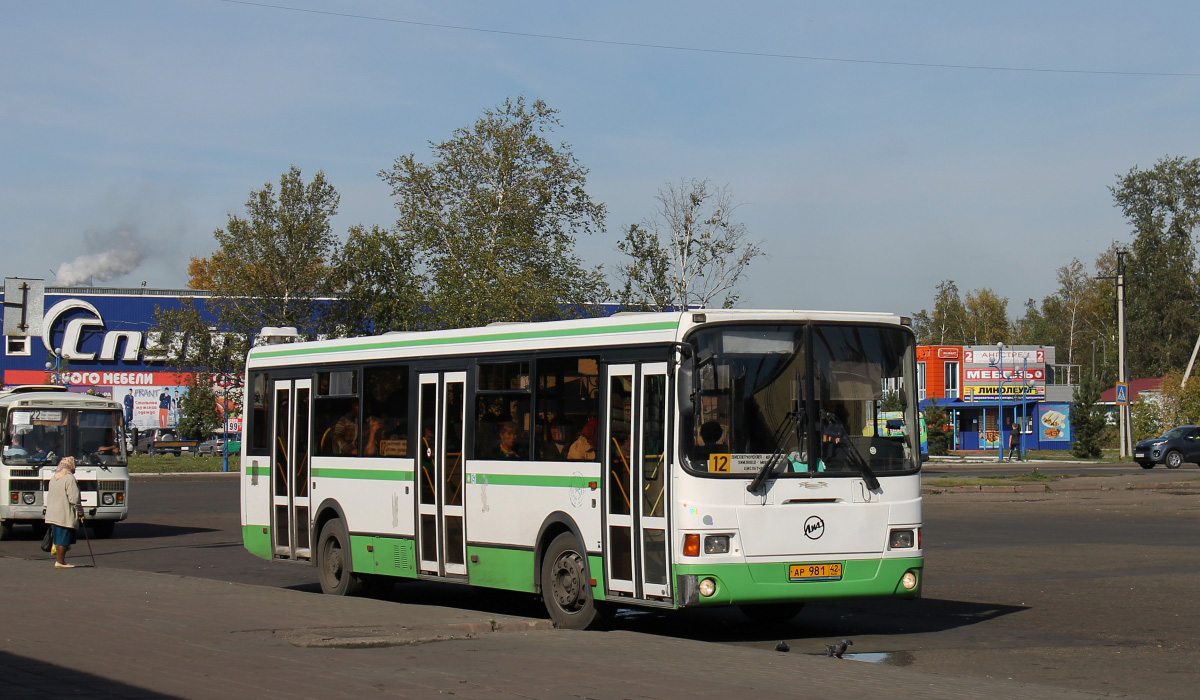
{"points": [[1172, 448]]}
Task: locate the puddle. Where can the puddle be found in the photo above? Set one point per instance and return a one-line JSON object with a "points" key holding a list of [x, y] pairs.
{"points": [[890, 658]]}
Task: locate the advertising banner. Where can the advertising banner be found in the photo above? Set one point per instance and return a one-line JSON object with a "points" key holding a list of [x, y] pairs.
{"points": [[149, 407], [1054, 422], [1019, 372]]}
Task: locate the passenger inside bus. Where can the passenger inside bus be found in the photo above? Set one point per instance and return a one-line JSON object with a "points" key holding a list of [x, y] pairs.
{"points": [[584, 447], [507, 446], [555, 447]]}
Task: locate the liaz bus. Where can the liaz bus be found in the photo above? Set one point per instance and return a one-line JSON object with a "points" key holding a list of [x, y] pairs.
{"points": [[44, 423], [666, 460]]}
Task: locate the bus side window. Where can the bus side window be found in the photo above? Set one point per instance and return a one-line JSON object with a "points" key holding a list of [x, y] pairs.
{"points": [[385, 403]]}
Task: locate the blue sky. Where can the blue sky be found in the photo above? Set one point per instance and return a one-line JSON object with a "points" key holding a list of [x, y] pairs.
{"points": [[136, 126]]}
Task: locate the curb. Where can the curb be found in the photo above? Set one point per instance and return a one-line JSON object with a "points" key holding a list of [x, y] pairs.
{"points": [[377, 637]]}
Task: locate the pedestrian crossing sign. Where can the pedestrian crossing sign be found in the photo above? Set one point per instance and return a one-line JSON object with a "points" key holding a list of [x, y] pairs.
{"points": [[1122, 394]]}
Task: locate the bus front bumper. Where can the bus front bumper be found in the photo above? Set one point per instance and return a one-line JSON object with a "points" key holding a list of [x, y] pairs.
{"points": [[751, 583]]}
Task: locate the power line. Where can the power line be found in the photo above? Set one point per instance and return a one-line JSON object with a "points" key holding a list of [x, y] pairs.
{"points": [[697, 49]]}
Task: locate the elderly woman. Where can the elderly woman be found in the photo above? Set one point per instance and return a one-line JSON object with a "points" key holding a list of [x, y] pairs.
{"points": [[63, 510]]}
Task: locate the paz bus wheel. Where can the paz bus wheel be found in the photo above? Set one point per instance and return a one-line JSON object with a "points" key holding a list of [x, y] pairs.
{"points": [[565, 588], [333, 561], [771, 613], [1173, 459]]}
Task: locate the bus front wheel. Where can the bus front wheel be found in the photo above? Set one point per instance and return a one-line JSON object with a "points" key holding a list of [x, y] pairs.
{"points": [[333, 561], [566, 591]]}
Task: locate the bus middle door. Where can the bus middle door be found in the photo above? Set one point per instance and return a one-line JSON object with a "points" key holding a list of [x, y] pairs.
{"points": [[441, 527]]}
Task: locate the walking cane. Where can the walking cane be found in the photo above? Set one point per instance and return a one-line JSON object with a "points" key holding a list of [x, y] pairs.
{"points": [[83, 526]]}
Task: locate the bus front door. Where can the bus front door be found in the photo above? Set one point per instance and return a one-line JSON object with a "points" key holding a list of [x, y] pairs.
{"points": [[290, 520], [636, 543], [441, 527]]}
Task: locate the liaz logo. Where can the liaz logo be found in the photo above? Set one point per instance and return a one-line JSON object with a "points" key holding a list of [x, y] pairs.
{"points": [[814, 527]]}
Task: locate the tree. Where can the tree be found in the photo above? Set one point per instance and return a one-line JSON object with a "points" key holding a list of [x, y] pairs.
{"points": [[986, 318], [380, 287], [268, 270], [198, 417], [690, 254], [1163, 206], [939, 428], [1087, 419], [492, 221], [946, 325]]}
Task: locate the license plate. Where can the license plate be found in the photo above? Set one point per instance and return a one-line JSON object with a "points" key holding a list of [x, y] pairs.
{"points": [[1139, 454], [815, 572]]}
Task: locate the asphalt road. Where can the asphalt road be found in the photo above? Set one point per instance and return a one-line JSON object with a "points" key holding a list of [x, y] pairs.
{"points": [[1093, 590]]}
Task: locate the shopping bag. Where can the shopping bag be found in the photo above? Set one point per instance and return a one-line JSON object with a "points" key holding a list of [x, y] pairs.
{"points": [[48, 539]]}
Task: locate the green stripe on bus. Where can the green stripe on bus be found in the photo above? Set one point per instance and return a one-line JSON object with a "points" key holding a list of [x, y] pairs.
{"points": [[488, 338], [375, 474], [574, 482], [252, 470], [499, 567]]}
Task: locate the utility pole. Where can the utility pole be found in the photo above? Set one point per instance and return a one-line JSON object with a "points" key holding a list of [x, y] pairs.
{"points": [[1122, 360]]}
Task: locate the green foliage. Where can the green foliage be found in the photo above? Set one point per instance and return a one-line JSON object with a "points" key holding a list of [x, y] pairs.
{"points": [[1176, 404], [1087, 419], [939, 429], [375, 270], [690, 254], [491, 222], [983, 319], [1146, 414], [892, 401], [268, 270], [1163, 206], [198, 417]]}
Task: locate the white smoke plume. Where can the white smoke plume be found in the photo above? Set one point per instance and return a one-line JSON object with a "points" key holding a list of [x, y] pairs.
{"points": [[110, 256]]}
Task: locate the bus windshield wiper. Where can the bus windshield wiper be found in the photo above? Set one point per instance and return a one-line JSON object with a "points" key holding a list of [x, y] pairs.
{"points": [[794, 418], [858, 461]]}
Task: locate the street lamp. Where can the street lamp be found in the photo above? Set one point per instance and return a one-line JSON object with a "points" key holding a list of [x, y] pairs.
{"points": [[1000, 401], [1026, 386], [55, 367]]}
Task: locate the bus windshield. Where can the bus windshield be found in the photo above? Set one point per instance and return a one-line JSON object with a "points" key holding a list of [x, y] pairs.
{"points": [[36, 436], [832, 399]]}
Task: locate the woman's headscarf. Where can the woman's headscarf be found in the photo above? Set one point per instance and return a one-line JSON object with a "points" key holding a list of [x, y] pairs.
{"points": [[66, 464]]}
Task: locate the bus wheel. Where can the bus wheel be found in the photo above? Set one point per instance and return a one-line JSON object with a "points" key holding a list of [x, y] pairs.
{"points": [[102, 529], [565, 589], [768, 613], [333, 561]]}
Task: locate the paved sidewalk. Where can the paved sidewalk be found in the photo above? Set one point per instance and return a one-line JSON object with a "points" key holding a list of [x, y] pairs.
{"points": [[109, 633], [1156, 479]]}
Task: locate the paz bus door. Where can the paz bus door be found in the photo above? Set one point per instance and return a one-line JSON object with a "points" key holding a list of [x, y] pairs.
{"points": [[290, 519], [441, 526], [637, 548]]}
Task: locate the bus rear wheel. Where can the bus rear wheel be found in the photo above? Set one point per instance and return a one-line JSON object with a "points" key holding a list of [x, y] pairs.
{"points": [[333, 561], [771, 613], [566, 591]]}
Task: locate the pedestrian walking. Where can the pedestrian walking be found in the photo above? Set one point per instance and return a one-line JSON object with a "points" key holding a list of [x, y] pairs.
{"points": [[63, 511], [1014, 444]]}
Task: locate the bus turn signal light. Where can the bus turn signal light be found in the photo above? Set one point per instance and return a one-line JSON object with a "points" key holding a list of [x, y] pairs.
{"points": [[691, 545]]}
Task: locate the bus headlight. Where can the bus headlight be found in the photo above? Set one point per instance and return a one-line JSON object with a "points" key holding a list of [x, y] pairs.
{"points": [[908, 580], [716, 544], [107, 499], [28, 498], [708, 587], [901, 539]]}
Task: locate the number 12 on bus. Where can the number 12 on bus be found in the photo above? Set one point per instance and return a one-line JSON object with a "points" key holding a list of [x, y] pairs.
{"points": [[662, 460]]}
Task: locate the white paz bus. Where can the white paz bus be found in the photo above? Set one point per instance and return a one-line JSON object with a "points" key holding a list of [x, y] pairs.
{"points": [[667, 460], [44, 423]]}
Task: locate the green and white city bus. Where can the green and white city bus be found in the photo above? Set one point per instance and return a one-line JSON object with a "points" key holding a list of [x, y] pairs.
{"points": [[666, 460], [43, 423]]}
